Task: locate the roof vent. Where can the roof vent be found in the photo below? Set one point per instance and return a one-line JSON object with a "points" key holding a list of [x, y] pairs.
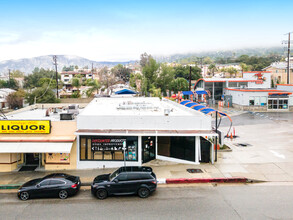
{"points": [[167, 111]]}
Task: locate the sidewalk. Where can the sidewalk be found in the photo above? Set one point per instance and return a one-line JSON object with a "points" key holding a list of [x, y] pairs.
{"points": [[164, 170]]}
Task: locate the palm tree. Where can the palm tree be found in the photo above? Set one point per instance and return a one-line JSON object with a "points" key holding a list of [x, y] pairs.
{"points": [[94, 87], [76, 82], [212, 68]]}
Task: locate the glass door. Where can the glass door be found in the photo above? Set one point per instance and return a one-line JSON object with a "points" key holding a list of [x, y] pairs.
{"points": [[148, 148]]}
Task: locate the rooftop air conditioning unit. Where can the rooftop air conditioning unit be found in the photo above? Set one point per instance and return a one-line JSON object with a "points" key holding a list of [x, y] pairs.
{"points": [[66, 116]]}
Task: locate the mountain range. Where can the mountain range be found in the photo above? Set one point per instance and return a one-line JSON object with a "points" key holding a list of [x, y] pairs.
{"points": [[222, 53], [27, 65]]}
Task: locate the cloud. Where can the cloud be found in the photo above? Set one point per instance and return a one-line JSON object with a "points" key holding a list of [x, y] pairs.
{"points": [[124, 43]]}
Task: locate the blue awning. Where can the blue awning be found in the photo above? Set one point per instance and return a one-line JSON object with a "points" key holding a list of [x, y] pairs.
{"points": [[201, 92], [208, 110], [191, 104], [125, 92], [187, 92], [184, 102], [199, 107]]}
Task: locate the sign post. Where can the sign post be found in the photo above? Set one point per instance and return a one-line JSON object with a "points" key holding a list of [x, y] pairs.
{"points": [[124, 148]]}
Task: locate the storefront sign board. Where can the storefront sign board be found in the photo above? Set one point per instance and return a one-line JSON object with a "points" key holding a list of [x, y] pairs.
{"points": [[25, 126]]}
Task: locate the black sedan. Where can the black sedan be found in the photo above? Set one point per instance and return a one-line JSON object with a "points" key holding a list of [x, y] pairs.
{"points": [[54, 185]]}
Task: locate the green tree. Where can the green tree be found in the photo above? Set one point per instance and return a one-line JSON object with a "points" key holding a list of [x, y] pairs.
{"points": [[76, 82], [232, 71], [179, 84], [16, 74], [15, 99], [133, 79], [183, 72], [34, 80], [207, 60], [155, 92], [41, 95], [94, 87], [145, 59], [150, 74], [212, 69], [121, 72], [165, 77], [245, 67], [12, 84]]}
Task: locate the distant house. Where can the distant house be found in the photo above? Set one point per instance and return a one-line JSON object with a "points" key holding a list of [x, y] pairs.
{"points": [[3, 94], [67, 76], [279, 72], [216, 87], [205, 72]]}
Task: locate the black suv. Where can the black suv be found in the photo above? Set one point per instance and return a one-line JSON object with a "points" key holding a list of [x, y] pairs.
{"points": [[125, 181]]}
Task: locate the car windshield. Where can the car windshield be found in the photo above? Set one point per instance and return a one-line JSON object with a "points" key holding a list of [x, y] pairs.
{"points": [[114, 174]]}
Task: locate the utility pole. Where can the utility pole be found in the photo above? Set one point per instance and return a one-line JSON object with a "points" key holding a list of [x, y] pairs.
{"points": [[92, 70], [55, 64], [288, 58], [9, 78], [189, 78], [201, 59]]}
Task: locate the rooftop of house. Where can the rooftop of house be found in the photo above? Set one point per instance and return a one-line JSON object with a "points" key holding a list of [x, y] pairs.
{"points": [[228, 79], [280, 65]]}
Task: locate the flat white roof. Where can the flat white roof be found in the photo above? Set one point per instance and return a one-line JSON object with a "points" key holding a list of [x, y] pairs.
{"points": [[140, 113], [135, 106], [227, 79]]}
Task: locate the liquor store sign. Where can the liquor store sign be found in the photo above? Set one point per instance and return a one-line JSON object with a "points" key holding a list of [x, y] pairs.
{"points": [[25, 126]]}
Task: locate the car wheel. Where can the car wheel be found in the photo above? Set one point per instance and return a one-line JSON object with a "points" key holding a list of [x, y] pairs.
{"points": [[143, 192], [24, 196], [63, 194], [101, 194]]}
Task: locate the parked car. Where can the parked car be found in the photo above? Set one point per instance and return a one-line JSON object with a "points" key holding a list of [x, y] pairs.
{"points": [[54, 185], [125, 181]]}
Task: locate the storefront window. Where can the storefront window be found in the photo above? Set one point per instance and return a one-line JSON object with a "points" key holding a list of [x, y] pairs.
{"points": [[251, 100], [108, 148], [270, 104], [257, 100], [177, 147], [277, 103], [82, 148], [263, 100]]}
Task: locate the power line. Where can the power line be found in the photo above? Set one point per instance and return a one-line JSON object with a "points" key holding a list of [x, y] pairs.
{"points": [[46, 88]]}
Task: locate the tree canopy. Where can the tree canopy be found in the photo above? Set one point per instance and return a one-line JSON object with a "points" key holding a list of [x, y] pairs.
{"points": [[42, 95], [121, 72], [34, 80]]}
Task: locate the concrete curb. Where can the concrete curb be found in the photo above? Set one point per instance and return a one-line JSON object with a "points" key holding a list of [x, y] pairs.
{"points": [[10, 186], [208, 180]]}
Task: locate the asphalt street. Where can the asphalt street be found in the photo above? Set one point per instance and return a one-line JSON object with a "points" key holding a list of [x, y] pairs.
{"points": [[258, 201]]}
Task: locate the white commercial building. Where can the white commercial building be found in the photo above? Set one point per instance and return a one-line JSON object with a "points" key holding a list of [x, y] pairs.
{"points": [[137, 130]]}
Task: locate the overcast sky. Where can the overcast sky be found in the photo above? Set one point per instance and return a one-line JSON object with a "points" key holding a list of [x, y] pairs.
{"points": [[122, 30]]}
